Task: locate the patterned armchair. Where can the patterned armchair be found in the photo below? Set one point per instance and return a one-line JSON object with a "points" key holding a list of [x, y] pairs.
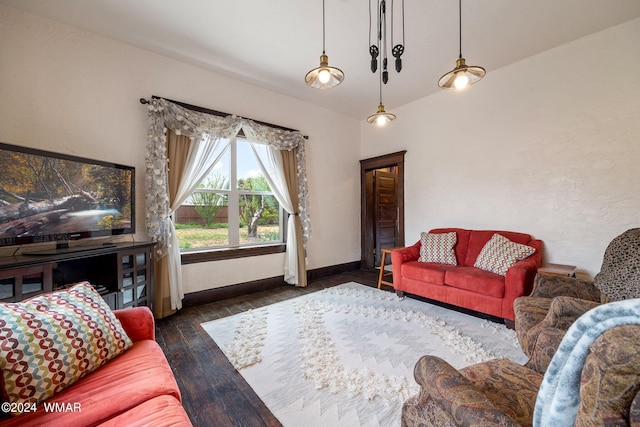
{"points": [[500, 392], [543, 317]]}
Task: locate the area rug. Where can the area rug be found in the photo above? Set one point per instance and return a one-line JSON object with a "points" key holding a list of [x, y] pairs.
{"points": [[345, 355]]}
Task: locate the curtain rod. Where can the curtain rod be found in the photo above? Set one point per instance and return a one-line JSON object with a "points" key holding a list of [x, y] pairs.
{"points": [[216, 113]]}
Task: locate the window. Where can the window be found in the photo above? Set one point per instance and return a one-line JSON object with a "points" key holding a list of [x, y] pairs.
{"points": [[232, 207]]}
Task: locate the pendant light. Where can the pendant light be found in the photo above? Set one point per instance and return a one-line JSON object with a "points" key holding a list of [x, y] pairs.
{"points": [[381, 118], [462, 75], [324, 76]]}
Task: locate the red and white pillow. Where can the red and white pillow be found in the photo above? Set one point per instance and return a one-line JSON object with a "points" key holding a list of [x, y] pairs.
{"points": [[499, 254], [50, 341], [438, 248]]}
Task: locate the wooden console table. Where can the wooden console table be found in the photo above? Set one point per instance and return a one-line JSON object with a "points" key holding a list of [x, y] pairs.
{"points": [[122, 273], [558, 270]]}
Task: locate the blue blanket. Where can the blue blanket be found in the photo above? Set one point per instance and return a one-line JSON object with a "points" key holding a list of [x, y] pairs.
{"points": [[559, 395]]}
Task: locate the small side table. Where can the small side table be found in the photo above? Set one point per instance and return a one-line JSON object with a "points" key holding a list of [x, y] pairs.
{"points": [[383, 275], [558, 270]]}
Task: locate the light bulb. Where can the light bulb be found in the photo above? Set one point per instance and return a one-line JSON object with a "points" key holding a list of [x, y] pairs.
{"points": [[324, 75], [461, 80], [382, 120]]}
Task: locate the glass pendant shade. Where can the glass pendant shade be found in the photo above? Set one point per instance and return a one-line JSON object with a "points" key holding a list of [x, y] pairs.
{"points": [[461, 76], [381, 118], [324, 76]]}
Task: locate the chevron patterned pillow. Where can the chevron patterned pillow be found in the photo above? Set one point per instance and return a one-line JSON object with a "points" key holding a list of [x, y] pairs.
{"points": [[52, 340], [438, 248], [499, 254]]}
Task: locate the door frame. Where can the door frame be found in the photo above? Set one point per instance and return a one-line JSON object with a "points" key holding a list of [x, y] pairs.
{"points": [[366, 232]]}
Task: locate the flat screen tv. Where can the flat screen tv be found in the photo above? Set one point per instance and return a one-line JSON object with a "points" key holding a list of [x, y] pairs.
{"points": [[53, 197]]}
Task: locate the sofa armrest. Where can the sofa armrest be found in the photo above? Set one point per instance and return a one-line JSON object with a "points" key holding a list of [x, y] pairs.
{"points": [[548, 286], [564, 310], [547, 342], [409, 253], [518, 282], [399, 257], [456, 395], [137, 322], [562, 313]]}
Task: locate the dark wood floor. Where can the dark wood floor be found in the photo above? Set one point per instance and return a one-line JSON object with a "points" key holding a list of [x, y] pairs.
{"points": [[213, 393]]}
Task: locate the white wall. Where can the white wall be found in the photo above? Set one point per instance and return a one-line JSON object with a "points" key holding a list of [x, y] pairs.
{"points": [[66, 90], [549, 146]]}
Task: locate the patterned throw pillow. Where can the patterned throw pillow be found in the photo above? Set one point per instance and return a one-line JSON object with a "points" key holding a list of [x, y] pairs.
{"points": [[52, 340], [438, 248], [500, 253]]}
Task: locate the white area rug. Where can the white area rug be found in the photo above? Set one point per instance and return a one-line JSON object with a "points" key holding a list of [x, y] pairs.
{"points": [[344, 356]]}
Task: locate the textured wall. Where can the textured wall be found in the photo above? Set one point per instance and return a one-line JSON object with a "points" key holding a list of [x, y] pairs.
{"points": [[548, 146]]}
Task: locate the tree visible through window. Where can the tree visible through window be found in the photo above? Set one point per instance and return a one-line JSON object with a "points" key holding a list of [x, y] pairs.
{"points": [[232, 207]]}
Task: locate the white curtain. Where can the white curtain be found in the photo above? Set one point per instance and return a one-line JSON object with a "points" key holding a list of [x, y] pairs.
{"points": [[270, 162], [204, 152], [165, 114]]}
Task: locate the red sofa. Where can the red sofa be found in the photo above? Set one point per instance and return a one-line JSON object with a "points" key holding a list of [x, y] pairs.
{"points": [[464, 285], [136, 388]]}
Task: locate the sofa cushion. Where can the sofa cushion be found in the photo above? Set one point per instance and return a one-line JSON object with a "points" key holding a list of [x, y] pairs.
{"points": [[475, 280], [425, 272], [161, 411], [137, 375], [50, 341], [438, 248], [500, 253], [478, 238]]}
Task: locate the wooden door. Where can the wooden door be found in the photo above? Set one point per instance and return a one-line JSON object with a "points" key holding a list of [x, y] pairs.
{"points": [[369, 244], [385, 207]]}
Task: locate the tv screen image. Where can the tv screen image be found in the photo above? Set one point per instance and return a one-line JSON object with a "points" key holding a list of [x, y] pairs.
{"points": [[46, 197]]}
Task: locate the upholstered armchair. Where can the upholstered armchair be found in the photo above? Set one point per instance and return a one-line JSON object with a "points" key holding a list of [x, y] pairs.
{"points": [[543, 317], [500, 392]]}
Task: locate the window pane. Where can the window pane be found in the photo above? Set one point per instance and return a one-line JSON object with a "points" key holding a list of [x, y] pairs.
{"points": [[218, 178], [232, 206], [259, 219], [203, 222], [249, 174]]}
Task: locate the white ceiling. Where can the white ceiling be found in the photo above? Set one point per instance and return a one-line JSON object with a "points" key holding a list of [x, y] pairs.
{"points": [[273, 43]]}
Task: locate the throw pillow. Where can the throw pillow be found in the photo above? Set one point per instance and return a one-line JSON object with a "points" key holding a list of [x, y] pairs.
{"points": [[500, 253], [50, 341], [438, 247]]}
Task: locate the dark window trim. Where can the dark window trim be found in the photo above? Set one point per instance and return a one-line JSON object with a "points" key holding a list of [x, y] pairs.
{"points": [[231, 253]]}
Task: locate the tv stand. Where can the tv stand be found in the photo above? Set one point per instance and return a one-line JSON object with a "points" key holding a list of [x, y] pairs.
{"points": [[121, 272], [64, 248]]}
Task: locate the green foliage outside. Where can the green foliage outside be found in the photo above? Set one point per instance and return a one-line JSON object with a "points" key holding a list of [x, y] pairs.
{"points": [[259, 215], [256, 209], [207, 204], [195, 236]]}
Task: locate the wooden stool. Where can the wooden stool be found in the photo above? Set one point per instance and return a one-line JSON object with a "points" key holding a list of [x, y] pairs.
{"points": [[383, 275]]}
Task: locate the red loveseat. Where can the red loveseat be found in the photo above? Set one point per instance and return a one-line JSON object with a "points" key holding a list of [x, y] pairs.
{"points": [[135, 389], [464, 285]]}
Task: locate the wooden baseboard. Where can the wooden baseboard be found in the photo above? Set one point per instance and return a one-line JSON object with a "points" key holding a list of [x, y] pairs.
{"points": [[217, 294]]}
